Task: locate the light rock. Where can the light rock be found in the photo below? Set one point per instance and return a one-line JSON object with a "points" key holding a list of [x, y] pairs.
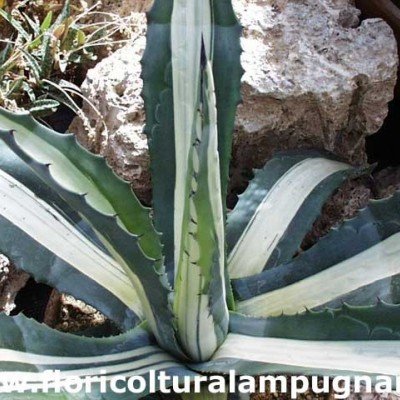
{"points": [[114, 88], [11, 282], [314, 77]]}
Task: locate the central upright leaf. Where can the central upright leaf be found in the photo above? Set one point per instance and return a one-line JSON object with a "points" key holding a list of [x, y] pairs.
{"points": [[199, 246], [191, 68]]}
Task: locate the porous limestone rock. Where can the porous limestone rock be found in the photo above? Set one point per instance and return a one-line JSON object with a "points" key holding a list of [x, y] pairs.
{"points": [[314, 77], [11, 282], [114, 88]]}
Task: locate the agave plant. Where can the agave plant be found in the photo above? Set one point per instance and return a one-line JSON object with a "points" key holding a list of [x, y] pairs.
{"points": [[194, 288]]}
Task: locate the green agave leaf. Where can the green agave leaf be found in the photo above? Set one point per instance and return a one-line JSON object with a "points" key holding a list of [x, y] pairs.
{"points": [[368, 241], [74, 168], [157, 77], [198, 216], [28, 348], [227, 71], [382, 319], [157, 93], [42, 263], [42, 242], [249, 355], [385, 289], [378, 262], [378, 322], [59, 173], [278, 208], [202, 314], [15, 167], [174, 82], [113, 295]]}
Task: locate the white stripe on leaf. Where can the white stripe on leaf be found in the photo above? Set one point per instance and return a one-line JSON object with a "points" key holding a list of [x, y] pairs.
{"points": [[41, 359], [186, 41], [51, 230], [196, 144], [372, 265], [274, 215], [372, 357], [137, 368]]}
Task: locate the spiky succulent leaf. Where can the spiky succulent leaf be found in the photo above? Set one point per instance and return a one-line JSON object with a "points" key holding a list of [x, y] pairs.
{"points": [[200, 276], [345, 341], [249, 355], [311, 293], [157, 92], [84, 173], [377, 322], [91, 188], [349, 340], [227, 71], [181, 117], [28, 349], [53, 248], [11, 164], [199, 302], [278, 208], [350, 263]]}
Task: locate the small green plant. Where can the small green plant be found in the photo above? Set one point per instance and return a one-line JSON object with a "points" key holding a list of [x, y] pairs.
{"points": [[214, 291], [42, 56]]}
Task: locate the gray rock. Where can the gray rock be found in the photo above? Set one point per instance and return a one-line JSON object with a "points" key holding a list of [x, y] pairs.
{"points": [[114, 88], [314, 77]]}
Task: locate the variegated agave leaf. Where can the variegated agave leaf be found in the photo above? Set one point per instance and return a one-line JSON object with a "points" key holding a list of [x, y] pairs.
{"points": [[224, 56], [358, 262], [47, 239], [185, 82], [107, 203], [72, 223], [28, 349], [279, 207]]}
